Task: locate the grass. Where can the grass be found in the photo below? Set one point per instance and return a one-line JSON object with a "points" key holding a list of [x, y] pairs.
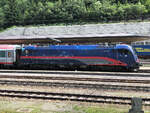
{"points": [[100, 109], [8, 111], [36, 107], [33, 106], [8, 105]]}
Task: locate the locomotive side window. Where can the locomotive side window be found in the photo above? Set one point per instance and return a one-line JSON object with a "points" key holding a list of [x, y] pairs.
{"points": [[26, 52], [2, 54]]}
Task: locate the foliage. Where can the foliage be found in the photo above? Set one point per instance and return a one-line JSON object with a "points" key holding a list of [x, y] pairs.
{"points": [[33, 12], [2, 19], [147, 4], [134, 11]]}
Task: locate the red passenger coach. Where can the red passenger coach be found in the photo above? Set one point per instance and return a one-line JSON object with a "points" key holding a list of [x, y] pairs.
{"points": [[8, 54]]}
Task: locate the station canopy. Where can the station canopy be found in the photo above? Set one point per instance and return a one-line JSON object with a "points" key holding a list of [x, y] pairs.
{"points": [[73, 39]]}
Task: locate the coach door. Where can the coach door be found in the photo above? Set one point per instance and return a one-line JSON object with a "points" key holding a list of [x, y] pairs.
{"points": [[9, 56], [3, 58], [17, 55]]}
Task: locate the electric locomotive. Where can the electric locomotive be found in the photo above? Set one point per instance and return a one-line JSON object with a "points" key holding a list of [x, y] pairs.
{"points": [[80, 56], [70, 56]]}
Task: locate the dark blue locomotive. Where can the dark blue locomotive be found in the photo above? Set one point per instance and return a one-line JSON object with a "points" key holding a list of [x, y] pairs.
{"points": [[80, 56], [70, 56]]}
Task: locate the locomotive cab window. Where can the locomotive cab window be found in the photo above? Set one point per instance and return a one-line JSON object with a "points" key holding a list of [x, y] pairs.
{"points": [[124, 52], [2, 54]]}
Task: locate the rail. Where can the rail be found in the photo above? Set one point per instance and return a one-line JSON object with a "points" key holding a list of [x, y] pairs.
{"points": [[76, 85], [70, 97]]}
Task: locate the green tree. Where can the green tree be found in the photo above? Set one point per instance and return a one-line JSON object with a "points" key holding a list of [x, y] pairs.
{"points": [[134, 11], [2, 18], [10, 11], [147, 4], [75, 8]]}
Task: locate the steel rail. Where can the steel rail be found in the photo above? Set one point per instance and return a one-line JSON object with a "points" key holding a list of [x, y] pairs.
{"points": [[81, 73], [70, 97], [76, 85], [76, 79]]}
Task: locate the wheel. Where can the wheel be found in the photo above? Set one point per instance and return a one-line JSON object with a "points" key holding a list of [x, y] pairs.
{"points": [[134, 69]]}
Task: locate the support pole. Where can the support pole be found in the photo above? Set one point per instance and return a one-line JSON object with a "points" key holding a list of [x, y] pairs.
{"points": [[136, 105]]}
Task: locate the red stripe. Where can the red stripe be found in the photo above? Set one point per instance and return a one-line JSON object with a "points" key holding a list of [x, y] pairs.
{"points": [[115, 62], [6, 62], [7, 46], [110, 64]]}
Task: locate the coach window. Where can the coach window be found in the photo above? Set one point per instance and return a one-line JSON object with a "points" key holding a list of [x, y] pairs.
{"points": [[147, 43], [9, 54], [2, 54]]}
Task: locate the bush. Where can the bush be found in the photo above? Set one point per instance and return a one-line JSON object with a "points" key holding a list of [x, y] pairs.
{"points": [[134, 11], [2, 17]]}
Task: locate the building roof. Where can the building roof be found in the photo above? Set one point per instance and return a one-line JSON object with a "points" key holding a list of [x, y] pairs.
{"points": [[126, 32]]}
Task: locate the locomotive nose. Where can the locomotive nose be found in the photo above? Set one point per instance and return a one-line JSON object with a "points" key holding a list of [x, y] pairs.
{"points": [[138, 63]]}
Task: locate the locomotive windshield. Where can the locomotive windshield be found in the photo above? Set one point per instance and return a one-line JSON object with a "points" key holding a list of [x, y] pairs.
{"points": [[124, 52]]}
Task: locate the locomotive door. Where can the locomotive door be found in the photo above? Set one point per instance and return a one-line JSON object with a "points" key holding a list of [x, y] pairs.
{"points": [[124, 56]]}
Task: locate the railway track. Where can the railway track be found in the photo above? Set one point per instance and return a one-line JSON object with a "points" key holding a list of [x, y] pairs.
{"points": [[81, 73], [73, 80], [70, 97], [77, 85], [76, 79], [85, 80]]}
